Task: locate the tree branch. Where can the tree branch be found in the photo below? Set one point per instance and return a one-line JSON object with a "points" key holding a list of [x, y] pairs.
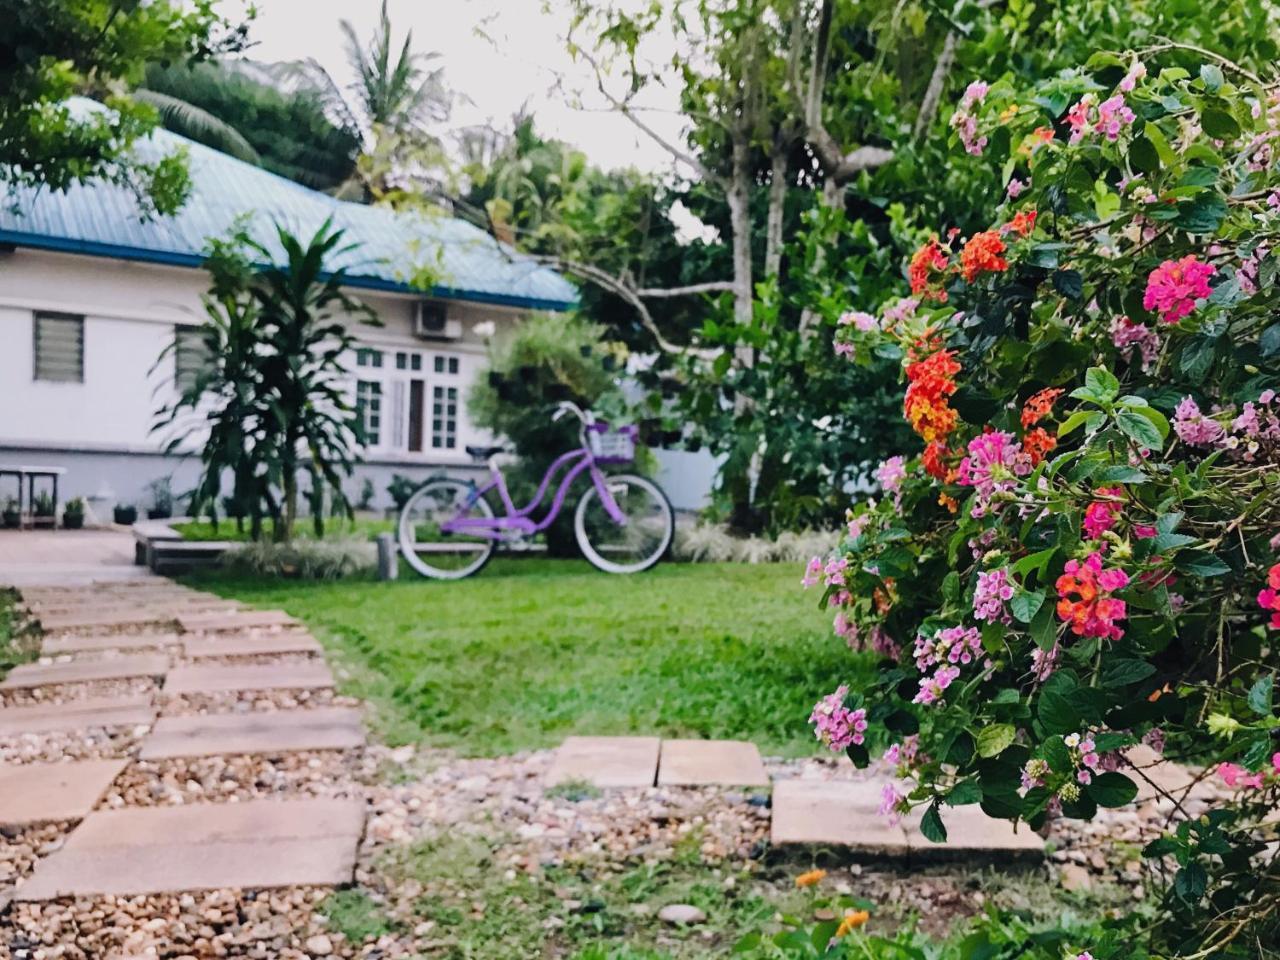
{"points": [[712, 286], [937, 81], [619, 286]]}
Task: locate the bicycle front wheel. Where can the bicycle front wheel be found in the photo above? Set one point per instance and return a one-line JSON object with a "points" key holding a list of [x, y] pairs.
{"points": [[636, 543], [438, 553]]}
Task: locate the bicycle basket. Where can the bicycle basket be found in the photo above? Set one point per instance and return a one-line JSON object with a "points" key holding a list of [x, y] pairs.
{"points": [[613, 446]]}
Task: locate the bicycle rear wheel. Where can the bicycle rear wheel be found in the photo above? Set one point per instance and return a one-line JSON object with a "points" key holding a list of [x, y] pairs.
{"points": [[434, 552], [635, 544]]}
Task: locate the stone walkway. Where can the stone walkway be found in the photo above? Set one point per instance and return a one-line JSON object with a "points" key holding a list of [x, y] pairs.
{"points": [[136, 675]]}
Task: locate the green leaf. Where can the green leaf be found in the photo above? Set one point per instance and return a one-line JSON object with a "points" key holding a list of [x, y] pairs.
{"points": [[995, 739], [1160, 847], [1161, 143], [1201, 564], [1191, 882], [1120, 473], [1141, 430], [1269, 342], [1197, 357], [1211, 77], [1261, 694], [1037, 561], [1044, 629], [1203, 214], [1069, 283], [1090, 417], [1059, 709], [1112, 789], [1143, 156], [964, 793], [1102, 382], [1219, 124], [1025, 604], [859, 755], [931, 825], [1123, 671]]}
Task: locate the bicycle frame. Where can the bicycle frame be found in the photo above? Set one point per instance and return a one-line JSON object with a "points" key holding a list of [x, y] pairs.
{"points": [[519, 520]]}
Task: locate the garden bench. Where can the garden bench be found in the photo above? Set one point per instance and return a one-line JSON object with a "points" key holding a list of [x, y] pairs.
{"points": [[179, 556]]}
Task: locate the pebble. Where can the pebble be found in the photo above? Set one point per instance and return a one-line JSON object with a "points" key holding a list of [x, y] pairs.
{"points": [[681, 913]]}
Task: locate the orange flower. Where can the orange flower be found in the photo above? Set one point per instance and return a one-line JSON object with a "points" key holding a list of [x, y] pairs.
{"points": [[930, 382], [982, 254], [933, 459], [948, 501], [811, 878], [1023, 222], [1039, 405], [851, 922], [924, 263], [1037, 443]]}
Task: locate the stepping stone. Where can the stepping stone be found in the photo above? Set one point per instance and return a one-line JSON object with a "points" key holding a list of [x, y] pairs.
{"points": [[694, 763], [283, 731], [77, 715], [1155, 774], [90, 619], [248, 644], [846, 813], [836, 813], [205, 846], [43, 792], [606, 761], [30, 675], [212, 678], [242, 620], [85, 643], [971, 833]]}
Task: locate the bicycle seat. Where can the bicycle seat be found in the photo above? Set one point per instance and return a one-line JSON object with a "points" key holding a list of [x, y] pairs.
{"points": [[484, 453]]}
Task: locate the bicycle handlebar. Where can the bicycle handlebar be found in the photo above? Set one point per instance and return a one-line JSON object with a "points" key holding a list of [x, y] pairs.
{"points": [[586, 417]]}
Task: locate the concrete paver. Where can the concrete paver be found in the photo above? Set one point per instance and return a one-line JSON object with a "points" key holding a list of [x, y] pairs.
{"points": [[279, 731], [606, 761], [44, 792]]}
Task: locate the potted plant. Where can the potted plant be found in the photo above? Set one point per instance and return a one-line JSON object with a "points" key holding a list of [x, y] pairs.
{"points": [[73, 514], [125, 514], [10, 515], [44, 506], [161, 499]]}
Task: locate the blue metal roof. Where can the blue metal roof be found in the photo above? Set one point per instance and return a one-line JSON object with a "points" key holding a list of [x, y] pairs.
{"points": [[103, 219]]}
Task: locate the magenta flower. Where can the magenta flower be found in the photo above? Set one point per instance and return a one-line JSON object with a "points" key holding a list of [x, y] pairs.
{"points": [[1078, 118], [1174, 287], [890, 475], [994, 463], [1127, 335], [865, 322], [1237, 777], [1113, 116], [1101, 515]]}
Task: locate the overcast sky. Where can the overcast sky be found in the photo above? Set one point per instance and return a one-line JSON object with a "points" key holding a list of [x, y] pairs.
{"points": [[499, 54]]}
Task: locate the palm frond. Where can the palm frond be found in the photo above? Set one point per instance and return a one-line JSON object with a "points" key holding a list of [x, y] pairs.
{"points": [[190, 121]]}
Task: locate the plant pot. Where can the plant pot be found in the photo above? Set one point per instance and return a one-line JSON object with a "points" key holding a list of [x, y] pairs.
{"points": [[10, 518], [126, 516], [72, 521], [159, 514]]}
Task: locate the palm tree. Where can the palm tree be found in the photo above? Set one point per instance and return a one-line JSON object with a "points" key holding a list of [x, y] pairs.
{"points": [[393, 92]]}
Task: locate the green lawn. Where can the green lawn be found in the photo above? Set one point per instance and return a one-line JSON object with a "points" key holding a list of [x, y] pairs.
{"points": [[365, 528], [531, 650]]}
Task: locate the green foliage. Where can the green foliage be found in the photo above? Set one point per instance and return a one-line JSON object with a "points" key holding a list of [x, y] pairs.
{"points": [[272, 392], [229, 107], [354, 914], [336, 558], [55, 49], [1129, 511]]}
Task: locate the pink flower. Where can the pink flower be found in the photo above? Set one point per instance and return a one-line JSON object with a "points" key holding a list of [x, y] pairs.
{"points": [[994, 463], [1193, 427], [1101, 515], [1144, 531], [892, 803], [932, 688], [812, 573], [1078, 118], [1113, 116], [993, 590], [1137, 70], [859, 321], [1015, 187], [1174, 287], [844, 349], [1126, 335], [900, 311], [1237, 777], [880, 642], [950, 645], [846, 629], [1084, 600], [1275, 763], [835, 724], [833, 573], [1044, 662], [1269, 596], [965, 121], [890, 475]]}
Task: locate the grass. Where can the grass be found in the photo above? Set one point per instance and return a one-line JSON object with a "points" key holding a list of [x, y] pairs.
{"points": [[532, 650], [17, 645]]}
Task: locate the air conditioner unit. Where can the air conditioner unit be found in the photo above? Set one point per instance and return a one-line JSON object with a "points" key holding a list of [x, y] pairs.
{"points": [[431, 322]]}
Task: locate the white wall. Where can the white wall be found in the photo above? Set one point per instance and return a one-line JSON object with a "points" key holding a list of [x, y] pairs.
{"points": [[130, 312]]}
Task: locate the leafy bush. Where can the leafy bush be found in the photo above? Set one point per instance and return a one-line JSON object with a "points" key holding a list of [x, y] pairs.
{"points": [[304, 559], [1084, 555]]}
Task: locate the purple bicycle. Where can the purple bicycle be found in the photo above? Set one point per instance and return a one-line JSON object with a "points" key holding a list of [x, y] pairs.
{"points": [[623, 523]]}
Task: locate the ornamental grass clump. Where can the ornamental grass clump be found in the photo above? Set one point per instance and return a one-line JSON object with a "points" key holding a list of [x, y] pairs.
{"points": [[1082, 553]]}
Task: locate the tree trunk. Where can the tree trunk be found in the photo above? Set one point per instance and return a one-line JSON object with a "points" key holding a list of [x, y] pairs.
{"points": [[284, 527], [777, 210], [739, 199]]}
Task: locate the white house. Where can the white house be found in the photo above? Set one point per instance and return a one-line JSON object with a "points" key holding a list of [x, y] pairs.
{"points": [[91, 292]]}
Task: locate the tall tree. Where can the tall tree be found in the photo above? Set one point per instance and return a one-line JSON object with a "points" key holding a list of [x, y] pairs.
{"points": [[236, 107], [53, 49]]}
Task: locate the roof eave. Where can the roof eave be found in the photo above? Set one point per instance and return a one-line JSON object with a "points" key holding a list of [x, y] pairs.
{"points": [[93, 248]]}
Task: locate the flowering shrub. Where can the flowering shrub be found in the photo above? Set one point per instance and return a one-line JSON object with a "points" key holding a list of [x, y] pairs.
{"points": [[1083, 554]]}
